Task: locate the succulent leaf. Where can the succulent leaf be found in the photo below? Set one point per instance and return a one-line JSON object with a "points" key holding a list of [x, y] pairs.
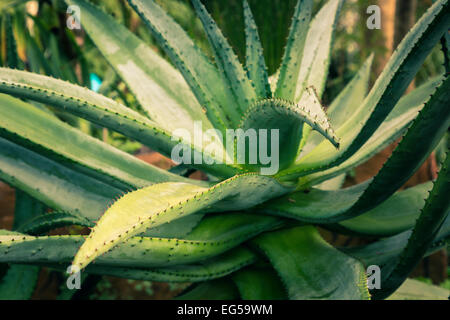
{"points": [[317, 54], [227, 61], [37, 130], [254, 57], [288, 119], [383, 96], [259, 284], [301, 258], [161, 203], [141, 252], [53, 184], [201, 75], [292, 60], [392, 128], [151, 78], [427, 228]]}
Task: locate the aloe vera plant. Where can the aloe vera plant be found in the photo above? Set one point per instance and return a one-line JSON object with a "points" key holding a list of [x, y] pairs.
{"points": [[259, 231]]}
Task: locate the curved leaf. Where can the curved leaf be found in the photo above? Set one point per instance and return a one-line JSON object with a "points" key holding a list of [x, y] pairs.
{"points": [[288, 120], [161, 203], [293, 53], [254, 57], [201, 75], [217, 267], [53, 184], [392, 128], [302, 258], [227, 61], [102, 111], [159, 88], [49, 221], [36, 130], [431, 124], [259, 284], [140, 252], [432, 217], [384, 95]]}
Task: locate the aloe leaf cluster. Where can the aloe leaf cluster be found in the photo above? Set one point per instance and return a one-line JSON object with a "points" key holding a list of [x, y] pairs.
{"points": [[246, 232]]}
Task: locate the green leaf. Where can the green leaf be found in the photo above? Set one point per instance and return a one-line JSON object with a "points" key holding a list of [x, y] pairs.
{"points": [[201, 75], [432, 217], [217, 267], [393, 216], [384, 95], [344, 105], [317, 56], [51, 183], [391, 129], [142, 252], [19, 282], [12, 59], [161, 203], [431, 124], [302, 258], [100, 110], [388, 250], [259, 284], [227, 61], [288, 119], [159, 88], [416, 290], [25, 208], [254, 57], [292, 60], [49, 221], [35, 129]]}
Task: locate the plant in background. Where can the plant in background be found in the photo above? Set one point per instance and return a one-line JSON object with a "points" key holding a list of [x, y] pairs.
{"points": [[259, 231]]}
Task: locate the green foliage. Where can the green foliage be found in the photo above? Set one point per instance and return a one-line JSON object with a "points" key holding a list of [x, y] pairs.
{"points": [[241, 228]]}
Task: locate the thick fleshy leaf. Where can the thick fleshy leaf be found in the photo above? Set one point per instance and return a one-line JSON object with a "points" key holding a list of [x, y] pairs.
{"points": [[344, 105], [142, 252], [395, 215], [201, 75], [254, 57], [288, 77], [49, 221], [431, 124], [382, 98], [389, 249], [301, 258], [19, 282], [36, 130], [161, 203], [392, 128], [282, 122], [259, 284], [160, 89], [51, 183], [227, 61], [317, 52], [216, 267], [106, 113], [432, 217]]}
